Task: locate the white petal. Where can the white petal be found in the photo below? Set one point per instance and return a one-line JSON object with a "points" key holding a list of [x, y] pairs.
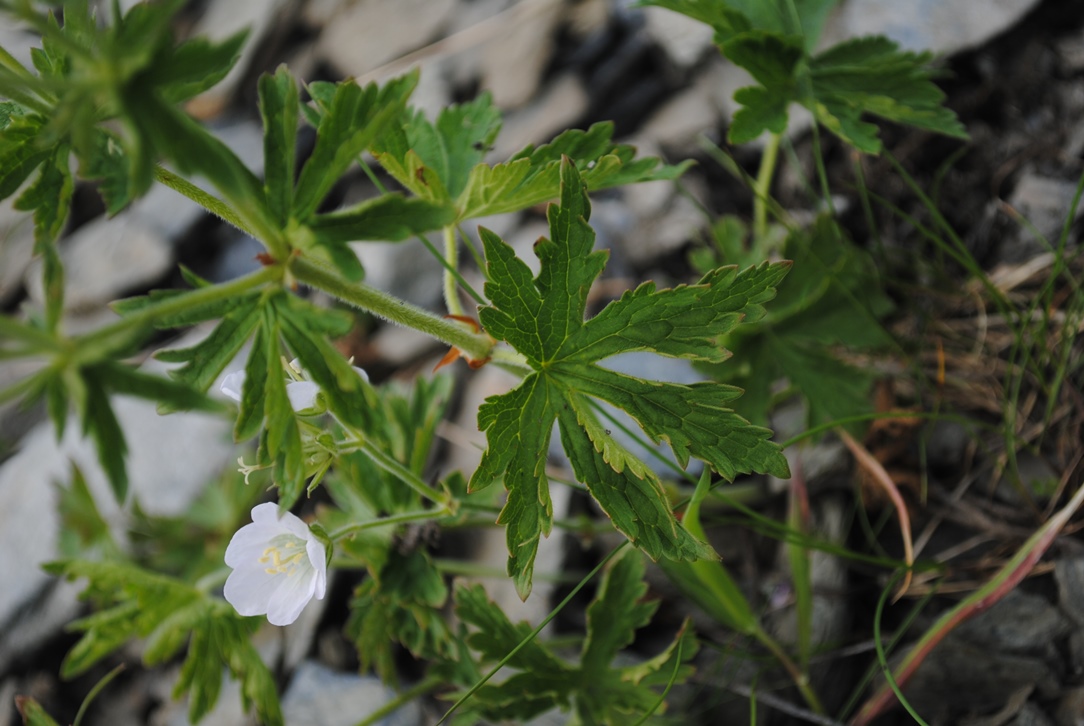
{"points": [[318, 559], [232, 383], [249, 543], [291, 598], [250, 590], [302, 394], [293, 524], [266, 513], [362, 373]]}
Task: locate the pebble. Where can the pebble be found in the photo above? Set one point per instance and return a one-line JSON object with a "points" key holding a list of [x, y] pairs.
{"points": [[362, 36], [16, 248], [220, 21], [684, 40], [1044, 203], [941, 26], [555, 108], [103, 260], [319, 696]]}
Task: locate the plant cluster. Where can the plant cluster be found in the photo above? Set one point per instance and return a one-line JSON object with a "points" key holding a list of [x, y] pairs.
{"points": [[104, 99]]}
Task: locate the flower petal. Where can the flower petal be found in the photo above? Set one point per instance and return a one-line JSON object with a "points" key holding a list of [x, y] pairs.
{"points": [[232, 383], [302, 395], [318, 558], [290, 599], [250, 590]]}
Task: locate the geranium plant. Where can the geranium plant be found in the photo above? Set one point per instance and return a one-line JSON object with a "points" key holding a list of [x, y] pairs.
{"points": [[103, 98]]}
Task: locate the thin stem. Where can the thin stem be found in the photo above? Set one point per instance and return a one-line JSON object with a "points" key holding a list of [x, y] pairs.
{"points": [[401, 518], [451, 256], [405, 475], [211, 203], [187, 301], [419, 689], [475, 346], [534, 633], [762, 187]]}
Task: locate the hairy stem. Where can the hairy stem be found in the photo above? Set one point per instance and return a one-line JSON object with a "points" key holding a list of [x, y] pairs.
{"points": [[474, 345], [763, 186]]}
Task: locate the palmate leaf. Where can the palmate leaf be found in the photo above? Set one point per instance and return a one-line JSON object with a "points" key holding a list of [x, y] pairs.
{"points": [[774, 41], [598, 692], [442, 161], [167, 613], [543, 319]]}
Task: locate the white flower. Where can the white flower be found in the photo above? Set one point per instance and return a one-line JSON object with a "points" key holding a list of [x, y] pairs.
{"points": [[302, 394], [278, 566]]}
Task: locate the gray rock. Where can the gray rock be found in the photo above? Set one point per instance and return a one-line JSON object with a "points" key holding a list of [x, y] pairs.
{"points": [[943, 26], [103, 259], [1020, 623], [1069, 575], [16, 247], [1044, 203], [684, 40], [1031, 715], [362, 36], [319, 696], [513, 61], [221, 20], [958, 677], [561, 102]]}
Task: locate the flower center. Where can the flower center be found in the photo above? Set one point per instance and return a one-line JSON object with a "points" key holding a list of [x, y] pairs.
{"points": [[285, 556]]}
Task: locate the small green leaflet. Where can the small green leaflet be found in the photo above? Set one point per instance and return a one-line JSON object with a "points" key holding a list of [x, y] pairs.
{"points": [[543, 319], [839, 86], [442, 162], [350, 117], [598, 692], [166, 614]]}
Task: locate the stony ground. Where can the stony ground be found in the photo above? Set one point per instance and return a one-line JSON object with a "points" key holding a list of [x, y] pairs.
{"points": [[1015, 75]]}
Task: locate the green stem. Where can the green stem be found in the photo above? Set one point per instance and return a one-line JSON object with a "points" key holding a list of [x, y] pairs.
{"points": [[393, 467], [762, 188], [401, 518], [180, 303], [211, 203], [451, 256], [475, 346]]}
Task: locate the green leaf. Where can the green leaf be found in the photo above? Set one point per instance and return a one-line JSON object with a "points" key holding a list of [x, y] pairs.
{"points": [[20, 152], [191, 148], [543, 319], [208, 358], [804, 18], [617, 611], [598, 692], [448, 149], [100, 423], [278, 107], [872, 76], [354, 119], [105, 162], [33, 713], [390, 218], [401, 603], [167, 613], [195, 66], [833, 301], [50, 199], [533, 175]]}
